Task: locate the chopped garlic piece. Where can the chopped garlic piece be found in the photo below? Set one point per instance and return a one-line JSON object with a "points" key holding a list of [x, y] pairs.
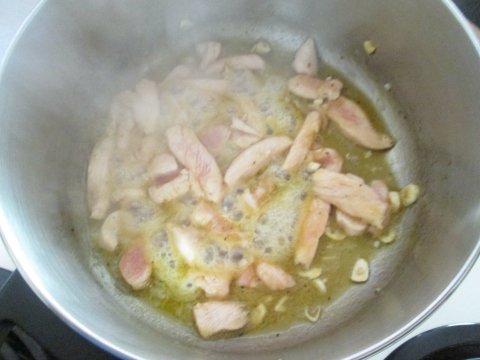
{"points": [[268, 299], [313, 273], [312, 167], [369, 47], [409, 194], [313, 316], [394, 198], [335, 234], [258, 314], [387, 86], [320, 284], [262, 47], [376, 244], [360, 272], [367, 154], [388, 238], [280, 305]]}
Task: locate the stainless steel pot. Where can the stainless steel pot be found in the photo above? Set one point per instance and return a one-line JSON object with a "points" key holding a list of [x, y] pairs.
{"points": [[72, 57]]}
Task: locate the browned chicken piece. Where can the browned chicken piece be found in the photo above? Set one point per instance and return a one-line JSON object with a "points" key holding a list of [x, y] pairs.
{"points": [[215, 286], [190, 152], [170, 190], [312, 88], [303, 141], [305, 61], [350, 225], [248, 278], [212, 317], [135, 268], [255, 158], [274, 277], [163, 168], [351, 195], [209, 52], [312, 226], [329, 159], [354, 124], [98, 178], [215, 137], [246, 62]]}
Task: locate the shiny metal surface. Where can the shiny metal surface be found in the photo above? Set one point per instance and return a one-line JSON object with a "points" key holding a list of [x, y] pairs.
{"points": [[73, 57]]}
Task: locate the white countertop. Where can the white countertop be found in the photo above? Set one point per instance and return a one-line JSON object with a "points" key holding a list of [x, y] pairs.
{"points": [[459, 308]]}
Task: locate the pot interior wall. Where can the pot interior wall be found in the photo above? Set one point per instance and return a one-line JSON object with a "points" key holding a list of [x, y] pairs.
{"points": [[74, 56]]}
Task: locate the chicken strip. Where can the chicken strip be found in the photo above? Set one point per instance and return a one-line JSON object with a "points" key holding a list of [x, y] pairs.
{"points": [[255, 158], [248, 278], [350, 225], [209, 52], [303, 141], [190, 152], [354, 124], [163, 168], [98, 178], [215, 137], [135, 268], [274, 277], [311, 229], [351, 195], [311, 88], [329, 159], [173, 189], [305, 61], [213, 317]]}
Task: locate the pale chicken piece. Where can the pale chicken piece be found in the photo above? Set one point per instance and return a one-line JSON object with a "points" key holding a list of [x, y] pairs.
{"points": [[303, 141], [186, 241], [312, 88], [248, 278], [108, 239], [243, 140], [173, 189], [255, 197], [312, 227], [242, 126], [252, 116], [120, 195], [255, 158], [98, 178], [381, 189], [163, 168], [209, 52], [215, 286], [246, 62], [205, 215], [122, 118], [215, 137], [328, 158], [212, 317], [306, 61], [146, 106], [350, 225], [274, 277], [351, 195], [354, 124], [182, 71], [190, 152], [215, 68], [148, 149], [135, 268], [219, 86]]}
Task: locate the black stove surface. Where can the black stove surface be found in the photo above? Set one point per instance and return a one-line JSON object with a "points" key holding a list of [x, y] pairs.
{"points": [[29, 330]]}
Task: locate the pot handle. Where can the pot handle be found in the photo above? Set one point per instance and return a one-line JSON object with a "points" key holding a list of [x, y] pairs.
{"points": [[24, 316]]}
